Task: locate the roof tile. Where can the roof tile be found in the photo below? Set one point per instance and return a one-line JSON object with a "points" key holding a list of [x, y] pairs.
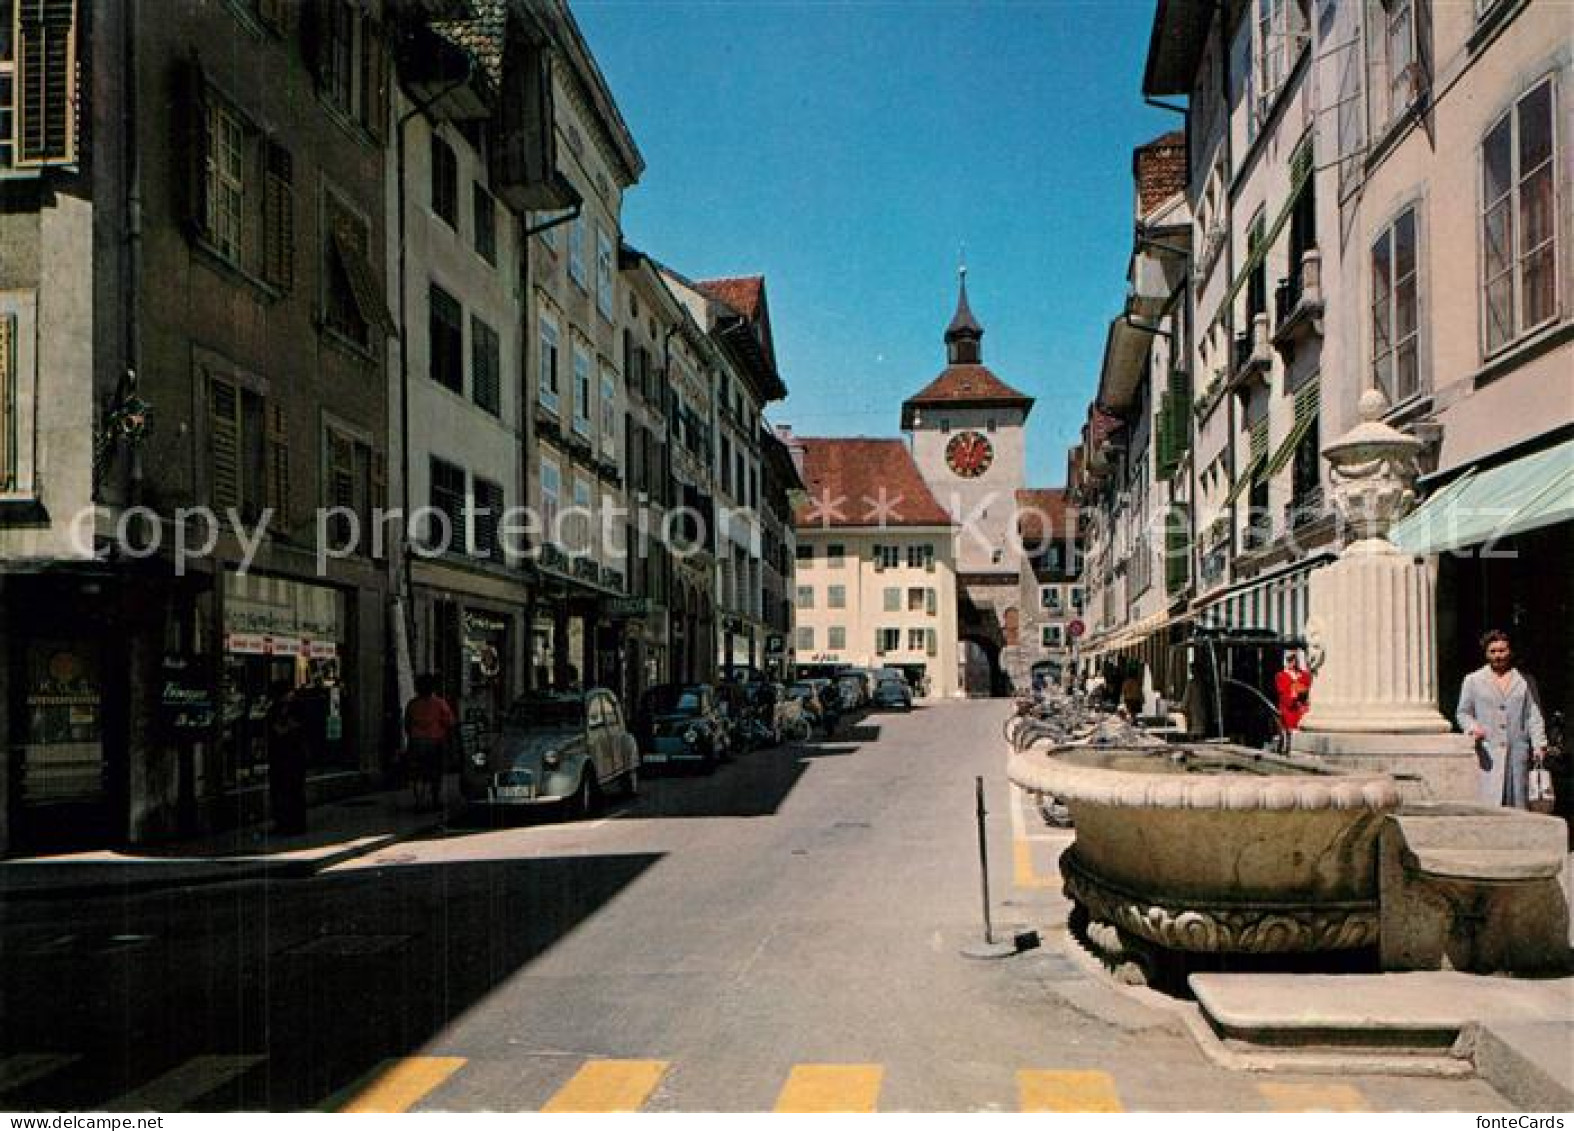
{"points": [[850, 482]]}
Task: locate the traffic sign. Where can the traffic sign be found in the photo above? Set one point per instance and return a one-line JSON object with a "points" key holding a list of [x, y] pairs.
{"points": [[1075, 629]]}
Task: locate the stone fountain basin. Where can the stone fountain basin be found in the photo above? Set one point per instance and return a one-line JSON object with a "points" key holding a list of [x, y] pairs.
{"points": [[1218, 848]]}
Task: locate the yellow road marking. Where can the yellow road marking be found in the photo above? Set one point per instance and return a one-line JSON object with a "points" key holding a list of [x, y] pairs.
{"points": [[186, 1084], [1025, 875], [1288, 1097], [608, 1085], [823, 1088], [1067, 1091], [399, 1084], [22, 1069]]}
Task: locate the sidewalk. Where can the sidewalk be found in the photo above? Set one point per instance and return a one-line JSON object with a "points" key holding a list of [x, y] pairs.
{"points": [[336, 831]]}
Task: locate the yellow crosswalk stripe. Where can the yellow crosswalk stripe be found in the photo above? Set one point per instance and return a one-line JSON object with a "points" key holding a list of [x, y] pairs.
{"points": [[399, 1084], [821, 1088], [1067, 1091], [1291, 1097], [21, 1069], [186, 1084], [608, 1086]]}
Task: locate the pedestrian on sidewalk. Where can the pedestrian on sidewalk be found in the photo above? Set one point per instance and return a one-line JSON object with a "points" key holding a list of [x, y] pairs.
{"points": [[1498, 709], [428, 724], [1293, 685], [286, 733]]}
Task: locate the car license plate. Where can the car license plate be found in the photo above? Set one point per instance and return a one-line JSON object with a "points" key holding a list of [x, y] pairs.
{"points": [[514, 792], [653, 758]]}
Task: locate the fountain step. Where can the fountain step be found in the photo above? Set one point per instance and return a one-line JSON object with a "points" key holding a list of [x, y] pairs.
{"points": [[1420, 1023]]}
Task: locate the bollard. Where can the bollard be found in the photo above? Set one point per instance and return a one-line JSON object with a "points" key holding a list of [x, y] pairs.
{"points": [[989, 948]]}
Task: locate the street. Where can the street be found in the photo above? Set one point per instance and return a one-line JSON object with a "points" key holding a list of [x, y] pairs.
{"points": [[785, 934]]}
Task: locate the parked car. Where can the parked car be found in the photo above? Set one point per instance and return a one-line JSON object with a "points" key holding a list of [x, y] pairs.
{"points": [[553, 748], [788, 714], [851, 686], [807, 697], [893, 695], [681, 724]]}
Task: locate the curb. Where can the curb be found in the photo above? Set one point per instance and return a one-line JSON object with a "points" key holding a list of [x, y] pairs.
{"points": [[121, 878]]}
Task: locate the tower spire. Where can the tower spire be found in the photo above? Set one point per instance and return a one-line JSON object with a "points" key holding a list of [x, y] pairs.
{"points": [[964, 336]]}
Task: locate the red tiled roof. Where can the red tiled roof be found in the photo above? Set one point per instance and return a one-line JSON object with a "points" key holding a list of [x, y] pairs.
{"points": [[741, 293], [1101, 426], [969, 384], [863, 483], [1037, 506]]}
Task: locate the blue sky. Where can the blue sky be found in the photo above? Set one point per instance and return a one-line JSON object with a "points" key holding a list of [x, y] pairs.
{"points": [[848, 151]]}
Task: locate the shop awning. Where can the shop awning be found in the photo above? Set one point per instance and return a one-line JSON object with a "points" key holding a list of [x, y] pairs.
{"points": [[1129, 635], [1533, 491], [1279, 602]]}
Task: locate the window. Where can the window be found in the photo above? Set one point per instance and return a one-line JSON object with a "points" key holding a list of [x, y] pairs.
{"points": [[247, 450], [445, 333], [804, 552], [445, 183], [990, 425], [225, 190], [921, 557], [887, 640], [1395, 79], [887, 557], [486, 381], [726, 466], [837, 641], [1052, 636], [916, 639], [836, 597], [353, 300], [1305, 484], [485, 209], [447, 497], [1519, 220], [488, 513], [916, 600], [38, 94], [278, 217], [835, 555], [576, 251], [603, 273], [893, 600], [1257, 279], [581, 391], [1076, 598], [1281, 33], [1396, 325], [583, 519], [351, 64], [548, 390], [551, 497], [1049, 598], [806, 596], [806, 640], [609, 415], [945, 425]]}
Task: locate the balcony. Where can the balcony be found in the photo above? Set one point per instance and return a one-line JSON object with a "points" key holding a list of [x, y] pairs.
{"points": [[1298, 305], [1304, 509], [1251, 360]]}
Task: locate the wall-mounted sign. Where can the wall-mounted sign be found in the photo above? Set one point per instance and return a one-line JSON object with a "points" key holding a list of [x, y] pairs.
{"points": [[186, 705]]}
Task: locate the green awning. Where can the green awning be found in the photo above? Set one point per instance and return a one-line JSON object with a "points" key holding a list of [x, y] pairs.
{"points": [[1531, 492]]}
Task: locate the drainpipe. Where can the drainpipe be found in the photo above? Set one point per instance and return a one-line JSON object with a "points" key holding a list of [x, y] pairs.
{"points": [[133, 265]]}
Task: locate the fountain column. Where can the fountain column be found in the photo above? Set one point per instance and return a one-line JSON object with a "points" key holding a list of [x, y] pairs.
{"points": [[1371, 627]]}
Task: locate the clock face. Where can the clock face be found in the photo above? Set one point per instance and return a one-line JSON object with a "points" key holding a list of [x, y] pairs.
{"points": [[969, 454]]}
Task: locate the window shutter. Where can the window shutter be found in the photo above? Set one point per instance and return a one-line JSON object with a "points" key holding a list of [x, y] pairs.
{"points": [[46, 83], [931, 602], [933, 642], [879, 559], [278, 462], [278, 217], [224, 435], [374, 73], [929, 559], [194, 156], [879, 642]]}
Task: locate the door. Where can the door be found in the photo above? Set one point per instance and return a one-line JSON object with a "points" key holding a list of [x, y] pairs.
{"points": [[600, 740]]}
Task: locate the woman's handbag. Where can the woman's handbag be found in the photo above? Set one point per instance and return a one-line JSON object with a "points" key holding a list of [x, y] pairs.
{"points": [[1539, 795]]}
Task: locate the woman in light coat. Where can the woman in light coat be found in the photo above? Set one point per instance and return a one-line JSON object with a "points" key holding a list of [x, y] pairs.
{"points": [[1499, 711]]}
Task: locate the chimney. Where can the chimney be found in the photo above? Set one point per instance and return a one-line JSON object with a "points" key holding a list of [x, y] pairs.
{"points": [[1159, 169]]}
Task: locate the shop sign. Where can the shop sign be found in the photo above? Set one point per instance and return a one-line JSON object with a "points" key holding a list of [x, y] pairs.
{"points": [[624, 608], [186, 701], [274, 606], [478, 622]]}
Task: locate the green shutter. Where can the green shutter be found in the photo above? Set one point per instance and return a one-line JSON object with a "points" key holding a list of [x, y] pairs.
{"points": [[1306, 402], [1300, 176], [1177, 548]]}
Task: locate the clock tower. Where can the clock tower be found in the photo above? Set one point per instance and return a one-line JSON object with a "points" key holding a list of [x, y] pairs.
{"points": [[967, 429]]}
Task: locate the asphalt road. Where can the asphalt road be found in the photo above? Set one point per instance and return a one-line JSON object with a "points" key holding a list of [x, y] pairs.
{"points": [[784, 934]]}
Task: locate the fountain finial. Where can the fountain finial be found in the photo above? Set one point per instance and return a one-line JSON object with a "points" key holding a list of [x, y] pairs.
{"points": [[1373, 472]]}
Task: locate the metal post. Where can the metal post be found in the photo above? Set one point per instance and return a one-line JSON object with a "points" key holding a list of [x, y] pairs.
{"points": [[983, 862]]}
